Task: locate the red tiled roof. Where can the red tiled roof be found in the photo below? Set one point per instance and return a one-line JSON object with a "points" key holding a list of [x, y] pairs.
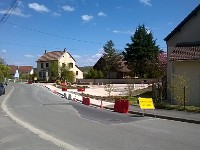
{"points": [[186, 53], [13, 69], [50, 56], [25, 69]]}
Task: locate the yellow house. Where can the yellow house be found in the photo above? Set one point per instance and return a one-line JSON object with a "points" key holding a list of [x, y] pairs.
{"points": [[62, 58], [183, 53]]}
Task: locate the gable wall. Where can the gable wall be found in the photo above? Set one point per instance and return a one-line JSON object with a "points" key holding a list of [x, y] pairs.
{"points": [[190, 32]]}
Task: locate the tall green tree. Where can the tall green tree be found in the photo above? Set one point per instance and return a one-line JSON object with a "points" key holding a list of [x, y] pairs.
{"points": [[53, 71], [141, 54], [109, 62], [4, 70], [66, 74]]}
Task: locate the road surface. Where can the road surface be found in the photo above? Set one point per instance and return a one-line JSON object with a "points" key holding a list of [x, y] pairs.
{"points": [[75, 126]]}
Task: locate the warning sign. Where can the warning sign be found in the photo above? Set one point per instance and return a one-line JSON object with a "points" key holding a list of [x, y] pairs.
{"points": [[146, 103]]}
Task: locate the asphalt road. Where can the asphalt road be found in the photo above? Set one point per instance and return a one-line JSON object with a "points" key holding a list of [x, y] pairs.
{"points": [[15, 137], [76, 126]]}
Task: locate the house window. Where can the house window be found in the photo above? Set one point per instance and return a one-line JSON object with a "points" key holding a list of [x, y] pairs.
{"points": [[70, 65], [42, 65], [63, 65], [47, 65], [43, 74], [76, 72], [40, 74]]}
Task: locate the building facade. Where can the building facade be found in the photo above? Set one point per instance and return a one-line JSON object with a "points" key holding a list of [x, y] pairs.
{"points": [[59, 57], [183, 53]]}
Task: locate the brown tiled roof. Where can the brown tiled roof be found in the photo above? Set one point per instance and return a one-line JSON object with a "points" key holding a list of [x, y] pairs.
{"points": [[25, 69], [50, 56], [185, 53], [13, 69], [123, 67], [193, 13]]}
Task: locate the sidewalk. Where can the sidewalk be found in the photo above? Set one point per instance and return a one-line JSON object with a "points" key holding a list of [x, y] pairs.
{"points": [[158, 113]]}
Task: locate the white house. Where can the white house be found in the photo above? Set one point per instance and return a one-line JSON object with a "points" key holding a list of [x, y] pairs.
{"points": [[62, 58]]}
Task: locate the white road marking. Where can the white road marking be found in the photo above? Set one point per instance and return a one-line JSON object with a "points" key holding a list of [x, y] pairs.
{"points": [[36, 131]]}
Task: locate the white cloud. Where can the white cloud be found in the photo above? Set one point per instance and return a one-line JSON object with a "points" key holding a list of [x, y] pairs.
{"points": [[37, 7], [101, 14], [97, 56], [122, 32], [146, 2], [90, 60], [68, 8], [55, 14], [76, 56], [16, 12], [3, 51], [29, 56], [86, 17]]}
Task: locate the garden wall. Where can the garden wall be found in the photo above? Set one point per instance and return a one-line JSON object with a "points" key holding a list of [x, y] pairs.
{"points": [[115, 81]]}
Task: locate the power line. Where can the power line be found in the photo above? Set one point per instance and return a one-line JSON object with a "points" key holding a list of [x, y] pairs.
{"points": [[8, 12], [37, 46], [58, 36]]}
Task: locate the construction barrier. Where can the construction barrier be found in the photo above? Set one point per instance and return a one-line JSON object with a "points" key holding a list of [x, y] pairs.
{"points": [[30, 82], [63, 83], [64, 88], [86, 101], [80, 89], [121, 106]]}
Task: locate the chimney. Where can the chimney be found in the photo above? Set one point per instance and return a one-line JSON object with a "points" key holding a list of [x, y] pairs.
{"points": [[45, 51], [64, 50]]}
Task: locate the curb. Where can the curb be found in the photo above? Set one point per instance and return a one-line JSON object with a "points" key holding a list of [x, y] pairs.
{"points": [[140, 113], [166, 117]]}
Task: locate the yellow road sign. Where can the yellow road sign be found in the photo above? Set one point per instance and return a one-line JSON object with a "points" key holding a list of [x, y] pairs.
{"points": [[146, 103]]}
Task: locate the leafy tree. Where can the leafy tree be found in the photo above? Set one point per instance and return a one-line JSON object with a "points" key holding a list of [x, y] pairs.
{"points": [[66, 74], [141, 54], [4, 71], [178, 83], [109, 62], [53, 71], [100, 74], [1, 76], [24, 76], [162, 64], [94, 74]]}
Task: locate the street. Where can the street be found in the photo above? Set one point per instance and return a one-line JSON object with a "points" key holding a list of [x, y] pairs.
{"points": [[76, 126]]}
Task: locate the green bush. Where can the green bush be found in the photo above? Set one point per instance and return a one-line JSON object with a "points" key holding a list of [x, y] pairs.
{"points": [[133, 100]]}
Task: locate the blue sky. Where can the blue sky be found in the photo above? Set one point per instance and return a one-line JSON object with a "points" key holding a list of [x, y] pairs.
{"points": [[83, 27]]}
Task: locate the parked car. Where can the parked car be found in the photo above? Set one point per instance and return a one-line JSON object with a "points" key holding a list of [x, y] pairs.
{"points": [[2, 89]]}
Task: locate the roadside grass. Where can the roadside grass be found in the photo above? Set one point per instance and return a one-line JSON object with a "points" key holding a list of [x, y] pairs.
{"points": [[167, 106]]}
